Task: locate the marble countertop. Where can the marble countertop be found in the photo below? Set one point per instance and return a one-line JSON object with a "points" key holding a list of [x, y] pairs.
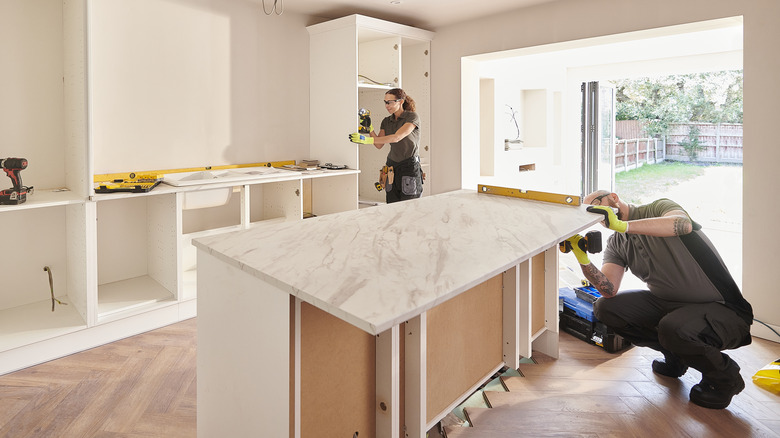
{"points": [[381, 266]]}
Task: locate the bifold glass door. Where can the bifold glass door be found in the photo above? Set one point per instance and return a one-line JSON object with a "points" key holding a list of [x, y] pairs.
{"points": [[598, 137]]}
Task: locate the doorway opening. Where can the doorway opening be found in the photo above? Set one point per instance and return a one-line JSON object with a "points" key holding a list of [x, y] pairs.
{"points": [[522, 108]]}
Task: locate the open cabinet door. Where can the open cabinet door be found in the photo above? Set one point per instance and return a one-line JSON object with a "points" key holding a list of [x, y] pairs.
{"points": [[598, 137]]}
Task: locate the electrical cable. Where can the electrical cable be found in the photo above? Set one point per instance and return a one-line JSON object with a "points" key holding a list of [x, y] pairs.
{"points": [[767, 326], [371, 80], [51, 286], [279, 10]]}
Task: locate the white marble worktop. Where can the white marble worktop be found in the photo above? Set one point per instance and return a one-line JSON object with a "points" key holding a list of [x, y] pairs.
{"points": [[380, 266]]}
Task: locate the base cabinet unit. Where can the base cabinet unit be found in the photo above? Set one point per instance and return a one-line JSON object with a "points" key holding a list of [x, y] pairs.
{"points": [[122, 264], [331, 195], [42, 244], [136, 255]]}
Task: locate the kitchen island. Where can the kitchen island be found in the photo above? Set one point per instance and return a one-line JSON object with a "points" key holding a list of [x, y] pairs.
{"points": [[374, 320]]}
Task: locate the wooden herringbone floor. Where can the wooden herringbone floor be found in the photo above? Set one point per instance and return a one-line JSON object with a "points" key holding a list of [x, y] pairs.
{"points": [[588, 392], [144, 386]]}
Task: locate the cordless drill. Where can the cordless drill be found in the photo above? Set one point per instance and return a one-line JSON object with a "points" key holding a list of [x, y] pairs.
{"points": [[364, 115], [18, 193], [590, 243]]}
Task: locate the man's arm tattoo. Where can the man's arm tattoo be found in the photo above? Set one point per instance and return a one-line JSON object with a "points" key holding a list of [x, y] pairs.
{"points": [[599, 280], [681, 226]]}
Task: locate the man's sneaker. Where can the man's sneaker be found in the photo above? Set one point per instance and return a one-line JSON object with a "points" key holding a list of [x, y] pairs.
{"points": [[716, 396], [669, 368]]}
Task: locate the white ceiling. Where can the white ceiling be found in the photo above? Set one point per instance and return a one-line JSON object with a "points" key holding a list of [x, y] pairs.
{"points": [[425, 14]]}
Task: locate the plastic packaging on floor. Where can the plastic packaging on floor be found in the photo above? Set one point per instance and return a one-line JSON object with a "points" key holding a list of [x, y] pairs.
{"points": [[769, 377]]}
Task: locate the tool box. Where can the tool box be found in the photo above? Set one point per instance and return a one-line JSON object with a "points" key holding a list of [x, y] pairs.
{"points": [[577, 319], [587, 293]]}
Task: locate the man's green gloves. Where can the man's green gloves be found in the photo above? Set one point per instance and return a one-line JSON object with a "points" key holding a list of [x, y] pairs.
{"points": [[610, 218], [361, 138], [581, 255]]}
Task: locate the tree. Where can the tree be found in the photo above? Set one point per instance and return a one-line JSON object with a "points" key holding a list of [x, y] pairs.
{"points": [[711, 97]]}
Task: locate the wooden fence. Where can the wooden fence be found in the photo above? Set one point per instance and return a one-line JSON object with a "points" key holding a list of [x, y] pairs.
{"points": [[630, 129], [722, 142], [633, 153]]}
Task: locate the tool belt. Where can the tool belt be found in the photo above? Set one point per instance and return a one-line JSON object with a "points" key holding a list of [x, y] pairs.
{"points": [[407, 176], [386, 177]]}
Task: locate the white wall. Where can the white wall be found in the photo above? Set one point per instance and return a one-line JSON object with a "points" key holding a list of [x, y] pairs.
{"points": [[30, 74], [190, 83], [531, 93], [568, 20]]}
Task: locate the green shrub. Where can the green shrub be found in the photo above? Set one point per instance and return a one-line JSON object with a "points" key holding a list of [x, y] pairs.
{"points": [[692, 145]]}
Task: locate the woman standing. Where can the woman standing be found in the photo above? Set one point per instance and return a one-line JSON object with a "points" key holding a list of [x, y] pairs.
{"points": [[402, 130]]}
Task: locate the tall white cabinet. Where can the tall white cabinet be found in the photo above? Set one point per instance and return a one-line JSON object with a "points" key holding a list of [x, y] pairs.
{"points": [[43, 118], [354, 61], [122, 263]]}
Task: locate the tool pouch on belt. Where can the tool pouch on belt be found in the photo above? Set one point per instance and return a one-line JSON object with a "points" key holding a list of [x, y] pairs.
{"points": [[385, 179], [408, 176]]}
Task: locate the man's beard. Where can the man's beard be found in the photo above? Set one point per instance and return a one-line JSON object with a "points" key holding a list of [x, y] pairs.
{"points": [[619, 213]]}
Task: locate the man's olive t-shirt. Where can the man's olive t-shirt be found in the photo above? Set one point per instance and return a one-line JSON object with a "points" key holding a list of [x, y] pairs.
{"points": [[664, 263]]}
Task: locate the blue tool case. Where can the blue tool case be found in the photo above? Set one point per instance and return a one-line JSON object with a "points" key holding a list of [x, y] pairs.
{"points": [[587, 293], [570, 301], [576, 318]]}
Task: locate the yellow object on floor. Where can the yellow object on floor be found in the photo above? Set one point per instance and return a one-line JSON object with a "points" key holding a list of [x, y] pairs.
{"points": [[769, 377]]}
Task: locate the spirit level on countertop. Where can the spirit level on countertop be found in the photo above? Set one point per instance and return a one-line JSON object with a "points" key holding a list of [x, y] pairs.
{"points": [[529, 194], [112, 177]]}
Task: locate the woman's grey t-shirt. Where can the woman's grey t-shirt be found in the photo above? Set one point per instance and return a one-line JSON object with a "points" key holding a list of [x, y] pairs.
{"points": [[407, 147]]}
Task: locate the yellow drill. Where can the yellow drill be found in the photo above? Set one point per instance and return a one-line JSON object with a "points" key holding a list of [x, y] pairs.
{"points": [[591, 243], [364, 115]]}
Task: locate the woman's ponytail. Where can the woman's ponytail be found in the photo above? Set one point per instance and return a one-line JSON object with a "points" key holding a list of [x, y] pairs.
{"points": [[409, 104]]}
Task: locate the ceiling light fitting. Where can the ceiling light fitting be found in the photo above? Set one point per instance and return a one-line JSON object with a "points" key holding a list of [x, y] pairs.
{"points": [[277, 8]]}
